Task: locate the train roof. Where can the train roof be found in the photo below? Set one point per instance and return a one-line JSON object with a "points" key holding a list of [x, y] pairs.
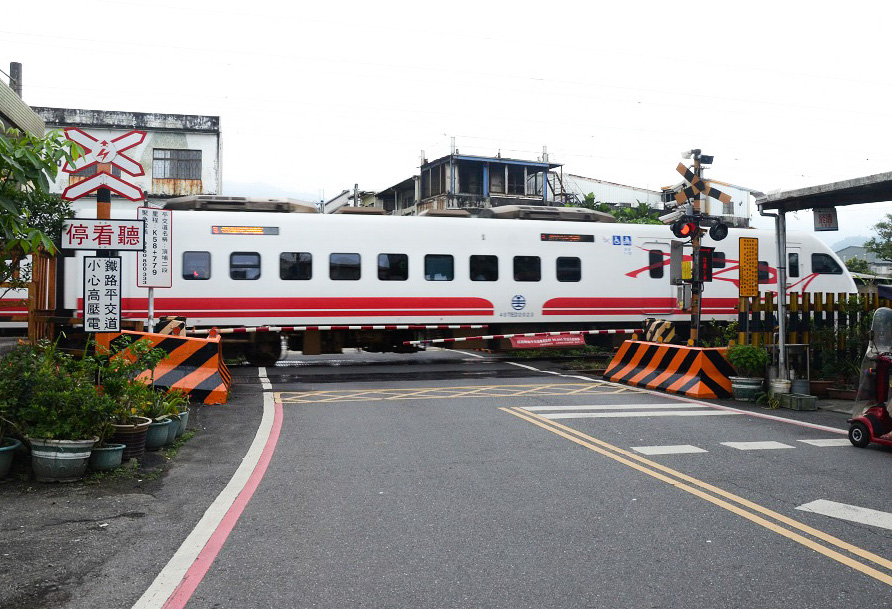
{"points": [[224, 203]]}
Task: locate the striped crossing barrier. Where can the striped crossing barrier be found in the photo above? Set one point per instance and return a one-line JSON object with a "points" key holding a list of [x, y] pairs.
{"points": [[193, 365], [692, 371]]}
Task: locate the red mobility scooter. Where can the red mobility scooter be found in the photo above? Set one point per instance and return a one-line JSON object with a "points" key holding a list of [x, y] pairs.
{"points": [[874, 422]]}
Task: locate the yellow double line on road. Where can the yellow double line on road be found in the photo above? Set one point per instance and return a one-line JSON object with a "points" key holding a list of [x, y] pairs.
{"points": [[738, 505]]}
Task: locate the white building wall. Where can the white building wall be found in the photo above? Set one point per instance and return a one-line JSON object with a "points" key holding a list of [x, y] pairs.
{"points": [[608, 192], [143, 154]]}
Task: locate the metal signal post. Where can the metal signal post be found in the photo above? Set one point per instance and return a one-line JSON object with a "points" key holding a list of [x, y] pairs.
{"points": [[690, 225]]}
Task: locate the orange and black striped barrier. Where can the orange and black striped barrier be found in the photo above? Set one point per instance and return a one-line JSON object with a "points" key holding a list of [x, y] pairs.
{"points": [[193, 365], [692, 371]]}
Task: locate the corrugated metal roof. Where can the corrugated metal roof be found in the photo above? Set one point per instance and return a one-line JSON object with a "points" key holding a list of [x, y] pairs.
{"points": [[16, 113]]}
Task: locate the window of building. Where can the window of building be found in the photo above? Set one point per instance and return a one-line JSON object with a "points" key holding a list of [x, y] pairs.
{"points": [[439, 267], [176, 164], [655, 263], [393, 267], [484, 268], [344, 267], [244, 265], [824, 264], [470, 178], [527, 268], [295, 266], [497, 179], [569, 269], [516, 180], [196, 265], [793, 264]]}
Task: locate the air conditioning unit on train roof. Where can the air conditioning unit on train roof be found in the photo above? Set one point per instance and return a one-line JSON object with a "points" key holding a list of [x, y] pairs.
{"points": [[361, 211], [446, 213], [537, 212], [225, 203]]}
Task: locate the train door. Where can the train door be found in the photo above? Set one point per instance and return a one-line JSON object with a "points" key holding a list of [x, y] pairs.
{"points": [[660, 296]]}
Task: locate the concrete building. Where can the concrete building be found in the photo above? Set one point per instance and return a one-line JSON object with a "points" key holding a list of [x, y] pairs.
{"points": [[471, 183], [882, 268], [180, 154]]}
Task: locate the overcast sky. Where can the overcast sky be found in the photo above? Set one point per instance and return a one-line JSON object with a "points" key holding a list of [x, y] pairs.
{"points": [[317, 97]]}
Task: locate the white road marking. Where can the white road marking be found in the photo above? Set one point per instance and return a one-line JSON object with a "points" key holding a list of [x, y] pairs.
{"points": [[668, 450], [614, 407], [852, 513], [653, 413], [828, 442], [172, 574], [756, 445]]}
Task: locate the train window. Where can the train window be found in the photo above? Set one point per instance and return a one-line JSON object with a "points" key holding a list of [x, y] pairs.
{"points": [[718, 260], [244, 265], [655, 260], [569, 269], [296, 265], [439, 267], [484, 268], [527, 268], [793, 264], [344, 267], [196, 265], [393, 267], [764, 275], [823, 264]]}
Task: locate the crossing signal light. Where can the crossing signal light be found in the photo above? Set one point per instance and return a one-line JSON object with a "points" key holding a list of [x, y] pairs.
{"points": [[684, 228], [718, 231]]}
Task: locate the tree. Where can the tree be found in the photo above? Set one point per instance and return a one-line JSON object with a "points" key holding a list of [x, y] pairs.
{"points": [[640, 214], [858, 265], [881, 245], [29, 215]]}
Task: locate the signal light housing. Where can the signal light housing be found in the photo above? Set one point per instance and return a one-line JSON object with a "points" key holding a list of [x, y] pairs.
{"points": [[718, 231], [685, 228]]}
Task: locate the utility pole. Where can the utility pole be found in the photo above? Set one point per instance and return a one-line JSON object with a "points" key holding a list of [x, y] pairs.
{"points": [[696, 278]]}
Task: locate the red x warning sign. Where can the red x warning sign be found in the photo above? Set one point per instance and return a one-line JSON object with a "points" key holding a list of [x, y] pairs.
{"points": [[104, 151]]}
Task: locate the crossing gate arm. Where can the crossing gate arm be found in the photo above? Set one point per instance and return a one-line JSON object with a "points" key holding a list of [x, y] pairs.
{"points": [[248, 330], [435, 341]]}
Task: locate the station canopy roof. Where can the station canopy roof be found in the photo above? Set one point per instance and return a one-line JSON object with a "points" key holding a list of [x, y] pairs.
{"points": [[869, 189]]}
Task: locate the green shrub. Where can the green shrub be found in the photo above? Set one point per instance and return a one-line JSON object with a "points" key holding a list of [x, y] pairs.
{"points": [[749, 360], [46, 393]]}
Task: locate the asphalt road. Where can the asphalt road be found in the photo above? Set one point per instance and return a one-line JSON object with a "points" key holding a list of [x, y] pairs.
{"points": [[451, 479]]}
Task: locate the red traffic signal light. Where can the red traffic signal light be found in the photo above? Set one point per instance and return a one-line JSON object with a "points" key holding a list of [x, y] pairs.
{"points": [[684, 228]]}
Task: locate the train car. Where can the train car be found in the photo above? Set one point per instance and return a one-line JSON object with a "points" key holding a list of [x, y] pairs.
{"points": [[329, 281]]}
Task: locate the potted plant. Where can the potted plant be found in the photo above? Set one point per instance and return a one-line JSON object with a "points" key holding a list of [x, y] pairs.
{"points": [[750, 362], [8, 444], [56, 406], [164, 411], [118, 378]]}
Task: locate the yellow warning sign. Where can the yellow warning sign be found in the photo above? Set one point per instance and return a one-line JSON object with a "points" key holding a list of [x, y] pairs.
{"points": [[749, 266]]}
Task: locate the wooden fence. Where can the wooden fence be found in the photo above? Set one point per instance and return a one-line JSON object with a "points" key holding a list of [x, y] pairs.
{"points": [[831, 330]]}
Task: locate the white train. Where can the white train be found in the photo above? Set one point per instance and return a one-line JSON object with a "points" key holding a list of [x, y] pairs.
{"points": [[329, 281]]}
